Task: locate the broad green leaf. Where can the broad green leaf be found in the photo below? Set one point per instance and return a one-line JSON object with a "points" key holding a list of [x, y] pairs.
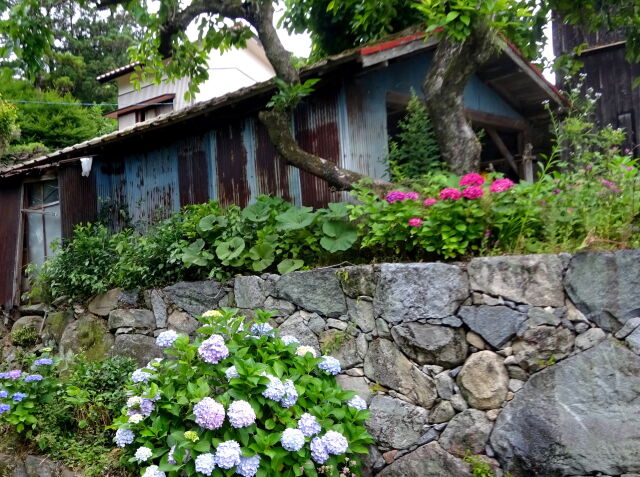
{"points": [[258, 212], [262, 256], [212, 221], [339, 235], [294, 218], [193, 254], [289, 265], [230, 249]]}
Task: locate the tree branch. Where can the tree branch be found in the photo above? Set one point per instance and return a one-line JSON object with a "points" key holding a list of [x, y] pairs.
{"points": [[278, 124]]}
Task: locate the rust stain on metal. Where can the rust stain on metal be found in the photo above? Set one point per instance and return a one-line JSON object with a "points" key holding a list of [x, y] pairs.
{"points": [[10, 196], [78, 200], [192, 171], [231, 164], [317, 132], [271, 169]]}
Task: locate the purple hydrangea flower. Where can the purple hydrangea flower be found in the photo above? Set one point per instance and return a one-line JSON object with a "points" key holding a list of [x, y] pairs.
{"points": [[205, 463], [231, 373], [213, 350], [153, 471], [292, 439], [14, 374], [241, 414], [319, 452], [139, 405], [261, 329], [140, 376], [395, 196], [288, 339], [43, 362], [124, 437], [4, 394], [17, 397], [275, 389], [166, 339], [209, 413], [358, 403], [290, 395], [330, 365], [309, 425], [143, 454], [33, 377], [228, 454], [335, 443], [248, 466], [4, 408]]}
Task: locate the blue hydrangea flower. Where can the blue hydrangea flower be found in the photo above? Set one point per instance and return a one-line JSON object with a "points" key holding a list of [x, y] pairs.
{"points": [[335, 443], [292, 439], [209, 413], [4, 375], [213, 350], [205, 463], [319, 452], [153, 471], [262, 329], [4, 408], [248, 466], [124, 437], [4, 394], [241, 414], [43, 362], [140, 376], [330, 365], [170, 457], [33, 377], [358, 403], [290, 394], [143, 454], [228, 454], [231, 373], [288, 339], [166, 339], [139, 405], [14, 374], [17, 397], [275, 389], [309, 425]]}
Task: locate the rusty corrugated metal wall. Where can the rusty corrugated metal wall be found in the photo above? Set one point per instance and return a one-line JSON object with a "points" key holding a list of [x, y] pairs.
{"points": [[78, 202], [10, 212]]}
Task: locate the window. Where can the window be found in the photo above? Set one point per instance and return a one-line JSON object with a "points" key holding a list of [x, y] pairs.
{"points": [[42, 219]]}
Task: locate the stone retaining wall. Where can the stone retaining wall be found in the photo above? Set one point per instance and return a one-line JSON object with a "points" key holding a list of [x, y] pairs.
{"points": [[531, 362]]}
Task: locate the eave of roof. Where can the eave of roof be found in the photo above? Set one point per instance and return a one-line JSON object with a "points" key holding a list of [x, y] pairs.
{"points": [[163, 99], [123, 70], [365, 55]]}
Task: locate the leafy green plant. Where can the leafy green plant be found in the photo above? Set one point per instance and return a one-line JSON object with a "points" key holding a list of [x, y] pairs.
{"points": [[478, 467], [25, 336], [288, 96], [415, 152], [247, 396]]}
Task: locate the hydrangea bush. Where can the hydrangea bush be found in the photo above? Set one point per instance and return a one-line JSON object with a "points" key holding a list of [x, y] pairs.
{"points": [[22, 392], [240, 400]]}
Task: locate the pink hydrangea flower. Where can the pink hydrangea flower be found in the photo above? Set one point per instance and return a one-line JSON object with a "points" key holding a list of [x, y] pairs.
{"points": [[430, 201], [501, 185], [415, 222], [450, 194], [396, 196], [412, 196], [472, 179], [473, 192]]}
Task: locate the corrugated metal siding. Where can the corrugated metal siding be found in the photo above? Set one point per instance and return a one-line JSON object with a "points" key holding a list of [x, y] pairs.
{"points": [[78, 202], [144, 186], [193, 171], [273, 171], [231, 165], [316, 129], [10, 197]]}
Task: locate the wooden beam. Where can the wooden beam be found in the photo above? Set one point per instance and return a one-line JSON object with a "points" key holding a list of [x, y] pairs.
{"points": [[484, 119], [504, 150]]}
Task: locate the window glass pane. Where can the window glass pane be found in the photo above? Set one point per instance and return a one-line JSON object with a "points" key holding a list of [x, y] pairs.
{"points": [[52, 226], [34, 194], [50, 191], [35, 238]]}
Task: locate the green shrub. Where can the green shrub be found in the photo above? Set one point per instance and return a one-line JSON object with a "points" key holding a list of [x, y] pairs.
{"points": [[25, 336], [241, 394], [416, 151], [478, 467]]}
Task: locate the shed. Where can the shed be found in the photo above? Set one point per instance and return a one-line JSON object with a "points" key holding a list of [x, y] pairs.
{"points": [[218, 149]]}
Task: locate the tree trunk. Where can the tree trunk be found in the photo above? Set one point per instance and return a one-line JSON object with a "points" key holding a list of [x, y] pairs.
{"points": [[453, 65]]}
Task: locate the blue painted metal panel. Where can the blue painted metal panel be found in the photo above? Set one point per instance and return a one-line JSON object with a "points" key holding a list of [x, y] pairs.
{"points": [[210, 151]]}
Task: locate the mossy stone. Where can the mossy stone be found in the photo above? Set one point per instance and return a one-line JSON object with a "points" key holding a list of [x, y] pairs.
{"points": [[87, 335], [55, 325]]}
